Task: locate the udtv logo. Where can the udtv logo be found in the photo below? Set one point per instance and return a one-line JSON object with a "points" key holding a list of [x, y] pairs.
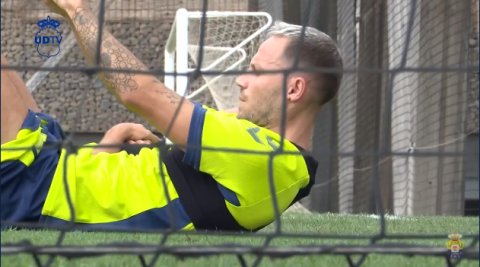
{"points": [[48, 38]]}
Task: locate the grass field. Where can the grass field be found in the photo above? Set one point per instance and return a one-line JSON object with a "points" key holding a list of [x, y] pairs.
{"points": [[325, 224]]}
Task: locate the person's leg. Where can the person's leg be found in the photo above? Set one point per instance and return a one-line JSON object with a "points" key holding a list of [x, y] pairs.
{"points": [[14, 110], [21, 88], [28, 101], [27, 166]]}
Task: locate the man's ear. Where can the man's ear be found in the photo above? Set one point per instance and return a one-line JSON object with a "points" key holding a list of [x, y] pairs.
{"points": [[296, 88]]}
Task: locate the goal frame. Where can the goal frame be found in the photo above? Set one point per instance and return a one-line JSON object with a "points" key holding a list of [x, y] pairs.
{"points": [[177, 49]]}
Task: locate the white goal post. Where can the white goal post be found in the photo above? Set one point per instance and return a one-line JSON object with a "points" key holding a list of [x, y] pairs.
{"points": [[230, 40]]}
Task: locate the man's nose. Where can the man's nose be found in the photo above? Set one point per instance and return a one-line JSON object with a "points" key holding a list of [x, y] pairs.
{"points": [[242, 82]]}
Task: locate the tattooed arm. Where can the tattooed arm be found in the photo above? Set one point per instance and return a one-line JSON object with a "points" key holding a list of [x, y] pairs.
{"points": [[142, 94]]}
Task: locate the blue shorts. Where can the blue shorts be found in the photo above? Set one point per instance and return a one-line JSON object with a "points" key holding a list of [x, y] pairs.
{"points": [[26, 174]]}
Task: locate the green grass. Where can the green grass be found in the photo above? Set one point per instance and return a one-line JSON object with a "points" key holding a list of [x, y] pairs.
{"points": [[292, 223]]}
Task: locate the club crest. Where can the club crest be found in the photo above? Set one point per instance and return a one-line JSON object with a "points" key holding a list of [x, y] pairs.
{"points": [[455, 246], [48, 38]]}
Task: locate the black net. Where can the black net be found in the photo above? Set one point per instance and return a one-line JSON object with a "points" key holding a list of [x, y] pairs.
{"points": [[394, 141]]}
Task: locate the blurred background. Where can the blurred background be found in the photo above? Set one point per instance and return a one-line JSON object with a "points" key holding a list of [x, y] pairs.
{"points": [[425, 110]]}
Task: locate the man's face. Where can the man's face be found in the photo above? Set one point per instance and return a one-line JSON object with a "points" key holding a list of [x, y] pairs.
{"points": [[261, 94]]}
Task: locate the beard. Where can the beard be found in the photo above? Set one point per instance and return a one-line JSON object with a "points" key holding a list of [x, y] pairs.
{"points": [[261, 110], [257, 113]]}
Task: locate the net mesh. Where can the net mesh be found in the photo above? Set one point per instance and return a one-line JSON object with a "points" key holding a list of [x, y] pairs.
{"points": [[405, 110], [223, 51], [393, 141]]}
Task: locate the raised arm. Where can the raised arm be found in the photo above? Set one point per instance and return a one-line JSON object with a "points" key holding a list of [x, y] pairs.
{"points": [[142, 94]]}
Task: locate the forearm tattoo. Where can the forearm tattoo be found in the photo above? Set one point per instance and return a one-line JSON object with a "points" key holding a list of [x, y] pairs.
{"points": [[173, 97], [113, 54]]}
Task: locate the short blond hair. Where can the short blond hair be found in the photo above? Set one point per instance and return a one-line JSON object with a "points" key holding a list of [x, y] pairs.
{"points": [[318, 50]]}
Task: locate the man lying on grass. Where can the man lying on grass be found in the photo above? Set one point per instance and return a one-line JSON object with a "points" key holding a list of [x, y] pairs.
{"points": [[207, 189]]}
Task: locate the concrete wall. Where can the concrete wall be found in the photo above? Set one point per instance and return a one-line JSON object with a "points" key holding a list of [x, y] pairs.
{"points": [[346, 104], [473, 57], [441, 113]]}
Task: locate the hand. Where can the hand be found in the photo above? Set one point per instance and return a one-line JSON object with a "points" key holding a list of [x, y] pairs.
{"points": [[139, 142], [63, 7], [132, 133], [126, 132], [135, 146]]}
